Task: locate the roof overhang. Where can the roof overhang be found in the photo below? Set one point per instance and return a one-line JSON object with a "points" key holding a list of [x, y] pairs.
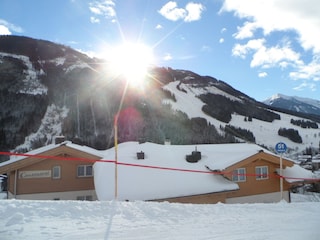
{"points": [[53, 153], [260, 156]]}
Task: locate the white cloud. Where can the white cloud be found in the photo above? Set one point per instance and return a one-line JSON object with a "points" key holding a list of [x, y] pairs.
{"points": [[4, 30], [241, 50], [262, 74], [279, 15], [94, 20], [266, 57], [246, 31], [223, 30], [295, 19], [271, 57], [167, 57], [104, 8], [279, 56], [308, 71], [304, 86], [7, 28], [221, 40], [172, 12], [192, 11], [159, 26], [95, 10], [90, 54]]}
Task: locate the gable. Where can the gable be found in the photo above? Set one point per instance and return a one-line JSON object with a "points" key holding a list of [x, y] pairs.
{"points": [[261, 156], [60, 152]]}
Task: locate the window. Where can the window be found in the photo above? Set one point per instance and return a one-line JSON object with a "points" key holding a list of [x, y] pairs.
{"points": [[239, 175], [56, 172], [84, 198], [262, 173], [84, 171]]}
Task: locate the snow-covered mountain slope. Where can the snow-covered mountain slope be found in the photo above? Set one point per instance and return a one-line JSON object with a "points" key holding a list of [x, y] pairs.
{"points": [[297, 104], [266, 133]]}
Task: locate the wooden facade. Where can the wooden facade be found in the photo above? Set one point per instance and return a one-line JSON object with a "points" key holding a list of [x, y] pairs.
{"points": [[63, 175], [209, 198], [35, 178], [253, 188]]}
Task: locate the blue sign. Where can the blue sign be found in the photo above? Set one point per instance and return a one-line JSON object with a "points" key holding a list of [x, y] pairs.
{"points": [[281, 147]]}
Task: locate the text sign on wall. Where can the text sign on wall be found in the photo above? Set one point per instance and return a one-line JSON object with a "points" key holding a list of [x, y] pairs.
{"points": [[281, 147], [35, 174]]}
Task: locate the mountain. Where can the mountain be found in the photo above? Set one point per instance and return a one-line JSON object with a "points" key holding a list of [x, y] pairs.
{"points": [[297, 104], [49, 89]]}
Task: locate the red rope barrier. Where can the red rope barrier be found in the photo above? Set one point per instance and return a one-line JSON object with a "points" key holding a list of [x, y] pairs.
{"points": [[61, 158]]}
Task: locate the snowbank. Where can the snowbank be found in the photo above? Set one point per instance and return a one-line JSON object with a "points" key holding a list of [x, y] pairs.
{"points": [[73, 220]]}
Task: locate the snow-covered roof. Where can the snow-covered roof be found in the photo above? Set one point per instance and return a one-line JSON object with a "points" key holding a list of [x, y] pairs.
{"points": [[142, 183], [297, 174], [39, 151]]}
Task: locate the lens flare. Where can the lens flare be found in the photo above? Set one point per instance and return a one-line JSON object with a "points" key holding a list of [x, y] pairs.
{"points": [[132, 62]]}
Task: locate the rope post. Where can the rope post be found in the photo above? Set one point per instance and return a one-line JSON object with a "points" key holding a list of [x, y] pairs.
{"points": [[281, 178], [116, 156]]}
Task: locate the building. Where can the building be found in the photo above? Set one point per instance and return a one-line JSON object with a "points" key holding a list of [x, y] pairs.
{"points": [[3, 182], [57, 171], [208, 173], [316, 162]]}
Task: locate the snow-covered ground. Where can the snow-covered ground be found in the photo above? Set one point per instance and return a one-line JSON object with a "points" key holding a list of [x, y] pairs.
{"points": [[21, 219]]}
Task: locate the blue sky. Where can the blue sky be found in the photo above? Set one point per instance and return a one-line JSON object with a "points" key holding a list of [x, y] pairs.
{"points": [[260, 47]]}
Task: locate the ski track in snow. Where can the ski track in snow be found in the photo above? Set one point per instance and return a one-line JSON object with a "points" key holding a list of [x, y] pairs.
{"points": [[152, 220]]}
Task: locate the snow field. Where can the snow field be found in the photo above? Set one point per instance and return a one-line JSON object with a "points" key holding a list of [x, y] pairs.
{"points": [[152, 220]]}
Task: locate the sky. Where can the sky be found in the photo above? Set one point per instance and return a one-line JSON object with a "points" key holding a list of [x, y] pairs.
{"points": [[260, 47]]}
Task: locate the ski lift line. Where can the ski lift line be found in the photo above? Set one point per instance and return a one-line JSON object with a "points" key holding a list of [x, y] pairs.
{"points": [[215, 172]]}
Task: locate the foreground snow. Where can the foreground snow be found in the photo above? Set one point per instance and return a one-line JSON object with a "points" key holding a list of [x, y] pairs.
{"points": [[152, 220]]}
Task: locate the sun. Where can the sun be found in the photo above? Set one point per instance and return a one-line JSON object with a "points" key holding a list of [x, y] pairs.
{"points": [[131, 61]]}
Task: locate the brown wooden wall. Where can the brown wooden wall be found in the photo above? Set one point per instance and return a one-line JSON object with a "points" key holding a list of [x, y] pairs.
{"points": [[209, 198], [67, 182], [252, 186]]}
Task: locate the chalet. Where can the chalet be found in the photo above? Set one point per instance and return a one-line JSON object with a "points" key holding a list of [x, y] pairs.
{"points": [[208, 173], [228, 173], [316, 162], [57, 171]]}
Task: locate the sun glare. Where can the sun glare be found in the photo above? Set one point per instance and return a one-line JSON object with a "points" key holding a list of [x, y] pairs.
{"points": [[132, 62]]}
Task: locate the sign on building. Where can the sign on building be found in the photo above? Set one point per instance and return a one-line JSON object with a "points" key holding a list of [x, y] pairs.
{"points": [[35, 174]]}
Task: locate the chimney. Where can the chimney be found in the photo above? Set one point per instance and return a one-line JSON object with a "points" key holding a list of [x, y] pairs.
{"points": [[140, 155], [58, 139]]}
